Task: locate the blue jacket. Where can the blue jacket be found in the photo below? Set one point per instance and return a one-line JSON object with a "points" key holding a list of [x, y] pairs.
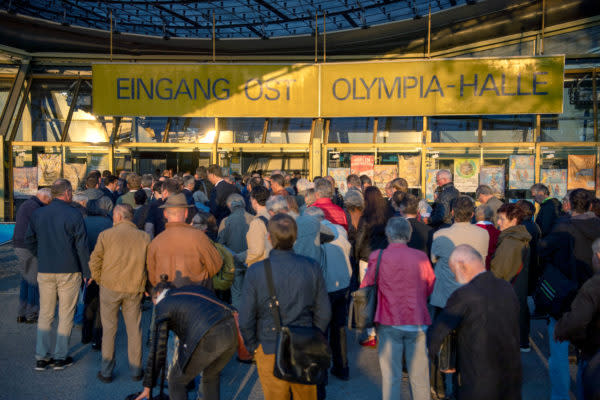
{"points": [[57, 236], [94, 224], [300, 290], [22, 221]]}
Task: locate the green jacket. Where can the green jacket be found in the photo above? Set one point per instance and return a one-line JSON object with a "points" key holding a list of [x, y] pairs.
{"points": [[512, 253]]}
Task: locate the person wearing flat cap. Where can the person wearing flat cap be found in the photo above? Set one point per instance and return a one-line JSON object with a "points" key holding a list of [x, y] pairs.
{"points": [[185, 254]]}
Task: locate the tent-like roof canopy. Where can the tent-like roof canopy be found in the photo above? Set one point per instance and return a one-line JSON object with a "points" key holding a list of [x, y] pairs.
{"points": [[233, 18]]}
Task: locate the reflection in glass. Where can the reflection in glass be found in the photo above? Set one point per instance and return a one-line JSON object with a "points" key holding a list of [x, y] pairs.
{"points": [[351, 130], [241, 130], [400, 130], [289, 130], [508, 128], [454, 129]]}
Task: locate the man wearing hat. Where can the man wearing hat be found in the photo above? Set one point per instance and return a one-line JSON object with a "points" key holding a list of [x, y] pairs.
{"points": [[185, 254]]}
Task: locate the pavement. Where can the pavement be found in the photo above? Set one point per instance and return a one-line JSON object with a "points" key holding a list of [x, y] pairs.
{"points": [[19, 381]]}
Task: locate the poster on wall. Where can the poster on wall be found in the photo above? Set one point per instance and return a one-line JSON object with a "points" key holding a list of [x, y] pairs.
{"points": [[99, 162], [581, 172], [25, 182], [383, 174], [494, 178], [48, 168], [521, 172], [430, 184], [556, 180], [362, 165], [75, 173], [466, 174], [339, 176], [409, 168]]}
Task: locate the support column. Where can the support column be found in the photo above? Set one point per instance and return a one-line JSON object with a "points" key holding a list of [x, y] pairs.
{"points": [[316, 149]]}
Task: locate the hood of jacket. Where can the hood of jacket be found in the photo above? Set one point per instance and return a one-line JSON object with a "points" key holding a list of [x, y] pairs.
{"points": [[517, 233], [587, 224]]}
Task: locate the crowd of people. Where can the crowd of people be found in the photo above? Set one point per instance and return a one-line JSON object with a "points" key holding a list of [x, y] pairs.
{"points": [[199, 247]]}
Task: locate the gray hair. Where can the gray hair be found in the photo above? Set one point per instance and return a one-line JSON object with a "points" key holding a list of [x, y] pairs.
{"points": [[189, 180], [200, 197], [80, 199], [60, 187], [124, 210], [235, 200], [354, 200], [484, 213], [277, 204], [466, 254], [323, 188], [45, 193], [398, 230], [314, 212], [483, 190], [596, 246], [540, 187], [444, 173], [303, 185], [200, 221], [147, 180]]}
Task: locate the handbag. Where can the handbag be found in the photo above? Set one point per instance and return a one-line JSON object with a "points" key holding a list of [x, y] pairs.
{"points": [[363, 303], [446, 356], [302, 354]]}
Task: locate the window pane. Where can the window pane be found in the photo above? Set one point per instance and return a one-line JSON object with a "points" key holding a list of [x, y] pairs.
{"points": [[508, 128], [351, 130], [192, 130], [453, 130], [241, 130], [289, 130], [400, 130]]}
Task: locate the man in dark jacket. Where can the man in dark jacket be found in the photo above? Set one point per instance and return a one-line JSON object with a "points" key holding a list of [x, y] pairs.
{"points": [[207, 335], [446, 194], [487, 330], [57, 236], [550, 208], [302, 296], [422, 234], [581, 325], [93, 192], [29, 302], [219, 193]]}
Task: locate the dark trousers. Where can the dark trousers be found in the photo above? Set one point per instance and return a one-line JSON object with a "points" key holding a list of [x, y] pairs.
{"points": [[29, 300], [436, 377], [211, 355], [336, 331], [520, 284], [91, 331]]}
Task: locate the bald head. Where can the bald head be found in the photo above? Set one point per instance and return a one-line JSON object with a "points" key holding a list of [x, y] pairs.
{"points": [[466, 262]]}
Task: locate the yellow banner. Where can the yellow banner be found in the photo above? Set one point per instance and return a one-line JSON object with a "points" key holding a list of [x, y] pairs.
{"points": [[397, 88], [443, 87], [205, 90]]}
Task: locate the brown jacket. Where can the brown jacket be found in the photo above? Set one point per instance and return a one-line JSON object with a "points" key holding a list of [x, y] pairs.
{"points": [[118, 261], [185, 254]]}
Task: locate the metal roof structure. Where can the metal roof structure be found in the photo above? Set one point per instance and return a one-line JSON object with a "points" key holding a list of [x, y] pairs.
{"points": [[232, 18]]}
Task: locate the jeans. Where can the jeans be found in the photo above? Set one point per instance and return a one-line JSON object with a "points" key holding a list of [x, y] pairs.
{"points": [[211, 355], [65, 289], [29, 300], [129, 303], [580, 369], [236, 288], [91, 329], [393, 345], [520, 287], [558, 366]]}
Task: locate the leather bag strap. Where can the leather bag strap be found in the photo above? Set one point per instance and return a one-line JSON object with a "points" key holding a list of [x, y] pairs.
{"points": [[274, 303]]}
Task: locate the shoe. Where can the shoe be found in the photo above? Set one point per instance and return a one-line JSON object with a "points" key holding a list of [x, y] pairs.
{"points": [[341, 374], [525, 349], [245, 361], [371, 341], [97, 346], [103, 378], [32, 320], [42, 365], [21, 320], [62, 364]]}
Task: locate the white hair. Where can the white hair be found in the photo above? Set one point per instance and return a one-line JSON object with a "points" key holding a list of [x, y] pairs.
{"points": [[398, 230], [304, 184], [277, 204]]}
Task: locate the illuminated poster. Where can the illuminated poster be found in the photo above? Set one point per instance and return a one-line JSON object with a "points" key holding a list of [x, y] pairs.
{"points": [[466, 174], [521, 172], [340, 176], [409, 168], [582, 172], [383, 175], [362, 165], [75, 173], [48, 169], [430, 184], [25, 182], [556, 180], [494, 178]]}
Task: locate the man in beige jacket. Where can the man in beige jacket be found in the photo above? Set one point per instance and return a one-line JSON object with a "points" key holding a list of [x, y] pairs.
{"points": [[118, 265]]}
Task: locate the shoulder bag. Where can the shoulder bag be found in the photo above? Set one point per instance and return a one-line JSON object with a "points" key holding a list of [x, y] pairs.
{"points": [[302, 354], [363, 303]]}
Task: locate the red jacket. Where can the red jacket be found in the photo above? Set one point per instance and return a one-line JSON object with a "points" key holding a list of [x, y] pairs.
{"points": [[494, 233], [405, 282], [334, 214]]}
